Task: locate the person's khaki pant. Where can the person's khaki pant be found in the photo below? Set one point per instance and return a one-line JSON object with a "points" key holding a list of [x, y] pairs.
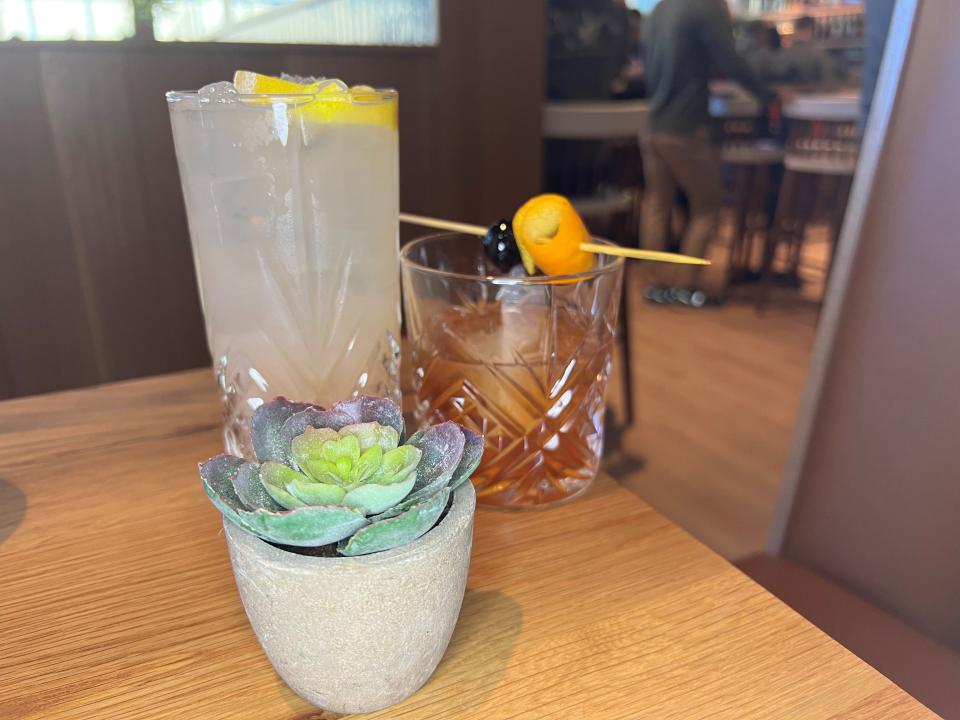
{"points": [[691, 162]]}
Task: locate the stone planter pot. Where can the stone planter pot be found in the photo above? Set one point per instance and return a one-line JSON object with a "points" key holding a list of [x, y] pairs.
{"points": [[357, 634]]}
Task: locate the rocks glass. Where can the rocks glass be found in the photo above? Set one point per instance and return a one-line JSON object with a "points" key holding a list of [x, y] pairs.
{"points": [[522, 360]]}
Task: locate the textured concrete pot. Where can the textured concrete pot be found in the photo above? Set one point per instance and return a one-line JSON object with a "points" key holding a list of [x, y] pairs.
{"points": [[357, 634]]}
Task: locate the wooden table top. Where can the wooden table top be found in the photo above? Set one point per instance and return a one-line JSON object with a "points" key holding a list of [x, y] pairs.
{"points": [[118, 599]]}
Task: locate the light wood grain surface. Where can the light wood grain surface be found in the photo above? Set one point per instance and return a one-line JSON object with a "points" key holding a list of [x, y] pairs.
{"points": [[118, 600]]}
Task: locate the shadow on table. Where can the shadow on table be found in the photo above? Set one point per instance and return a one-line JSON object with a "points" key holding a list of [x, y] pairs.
{"points": [[481, 646], [618, 460], [620, 464], [300, 708], [13, 508]]}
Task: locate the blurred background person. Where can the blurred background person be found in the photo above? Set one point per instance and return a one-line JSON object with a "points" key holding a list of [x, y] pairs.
{"points": [[803, 63], [630, 84], [587, 47], [593, 53], [774, 41], [687, 42], [759, 44]]}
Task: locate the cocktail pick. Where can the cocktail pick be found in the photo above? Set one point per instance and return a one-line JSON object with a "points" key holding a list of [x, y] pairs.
{"points": [[633, 253]]}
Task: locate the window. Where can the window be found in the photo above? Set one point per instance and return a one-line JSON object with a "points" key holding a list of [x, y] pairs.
{"points": [[644, 6], [327, 22], [66, 19]]}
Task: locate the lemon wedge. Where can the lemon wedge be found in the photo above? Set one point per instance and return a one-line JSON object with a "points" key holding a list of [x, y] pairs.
{"points": [[332, 102]]}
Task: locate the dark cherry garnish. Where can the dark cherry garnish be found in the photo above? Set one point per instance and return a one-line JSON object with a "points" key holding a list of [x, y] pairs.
{"points": [[500, 246]]}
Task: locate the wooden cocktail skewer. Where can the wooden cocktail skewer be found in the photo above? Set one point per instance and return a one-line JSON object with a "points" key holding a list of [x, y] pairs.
{"points": [[633, 253]]}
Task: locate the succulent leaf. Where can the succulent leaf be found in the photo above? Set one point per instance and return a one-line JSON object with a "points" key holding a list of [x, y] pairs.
{"points": [[414, 498], [472, 454], [216, 476], [309, 445], [370, 460], [316, 493], [371, 499], [275, 478], [297, 424], [322, 471], [306, 526], [396, 465], [343, 448], [442, 447], [268, 419], [250, 489], [372, 434], [396, 531], [366, 409]]}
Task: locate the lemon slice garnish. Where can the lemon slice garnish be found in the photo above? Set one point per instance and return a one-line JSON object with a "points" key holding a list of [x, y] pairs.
{"points": [[331, 103]]}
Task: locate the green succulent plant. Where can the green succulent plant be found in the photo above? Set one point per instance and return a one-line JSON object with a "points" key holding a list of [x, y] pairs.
{"points": [[342, 475]]}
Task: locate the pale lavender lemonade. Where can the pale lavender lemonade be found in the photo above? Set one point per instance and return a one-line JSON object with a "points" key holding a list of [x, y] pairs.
{"points": [[293, 223]]}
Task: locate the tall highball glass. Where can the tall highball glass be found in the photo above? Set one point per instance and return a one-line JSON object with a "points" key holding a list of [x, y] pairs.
{"points": [[292, 204]]}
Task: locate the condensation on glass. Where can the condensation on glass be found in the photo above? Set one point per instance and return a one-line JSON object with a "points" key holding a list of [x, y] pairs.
{"points": [[327, 22], [66, 19]]}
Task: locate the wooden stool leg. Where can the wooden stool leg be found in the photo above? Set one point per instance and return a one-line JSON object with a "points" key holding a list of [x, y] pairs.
{"points": [[625, 355], [783, 213], [744, 179], [758, 192], [806, 206], [622, 237]]}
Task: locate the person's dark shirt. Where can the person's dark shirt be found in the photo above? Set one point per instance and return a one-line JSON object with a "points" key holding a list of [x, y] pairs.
{"points": [[586, 47], [803, 63], [687, 41]]}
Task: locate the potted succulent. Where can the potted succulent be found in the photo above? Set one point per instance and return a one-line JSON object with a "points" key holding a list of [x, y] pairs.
{"points": [[350, 545]]}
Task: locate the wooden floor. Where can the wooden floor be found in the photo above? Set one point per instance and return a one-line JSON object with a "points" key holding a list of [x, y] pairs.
{"points": [[717, 392]]}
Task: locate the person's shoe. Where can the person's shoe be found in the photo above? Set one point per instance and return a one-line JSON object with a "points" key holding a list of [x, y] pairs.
{"points": [[676, 296], [694, 298], [680, 296], [657, 294]]}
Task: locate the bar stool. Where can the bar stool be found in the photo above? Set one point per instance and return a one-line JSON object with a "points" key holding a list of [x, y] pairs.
{"points": [[742, 131], [822, 147], [620, 121]]}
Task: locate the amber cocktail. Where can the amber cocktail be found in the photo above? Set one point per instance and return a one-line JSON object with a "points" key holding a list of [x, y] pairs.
{"points": [[522, 360]]}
